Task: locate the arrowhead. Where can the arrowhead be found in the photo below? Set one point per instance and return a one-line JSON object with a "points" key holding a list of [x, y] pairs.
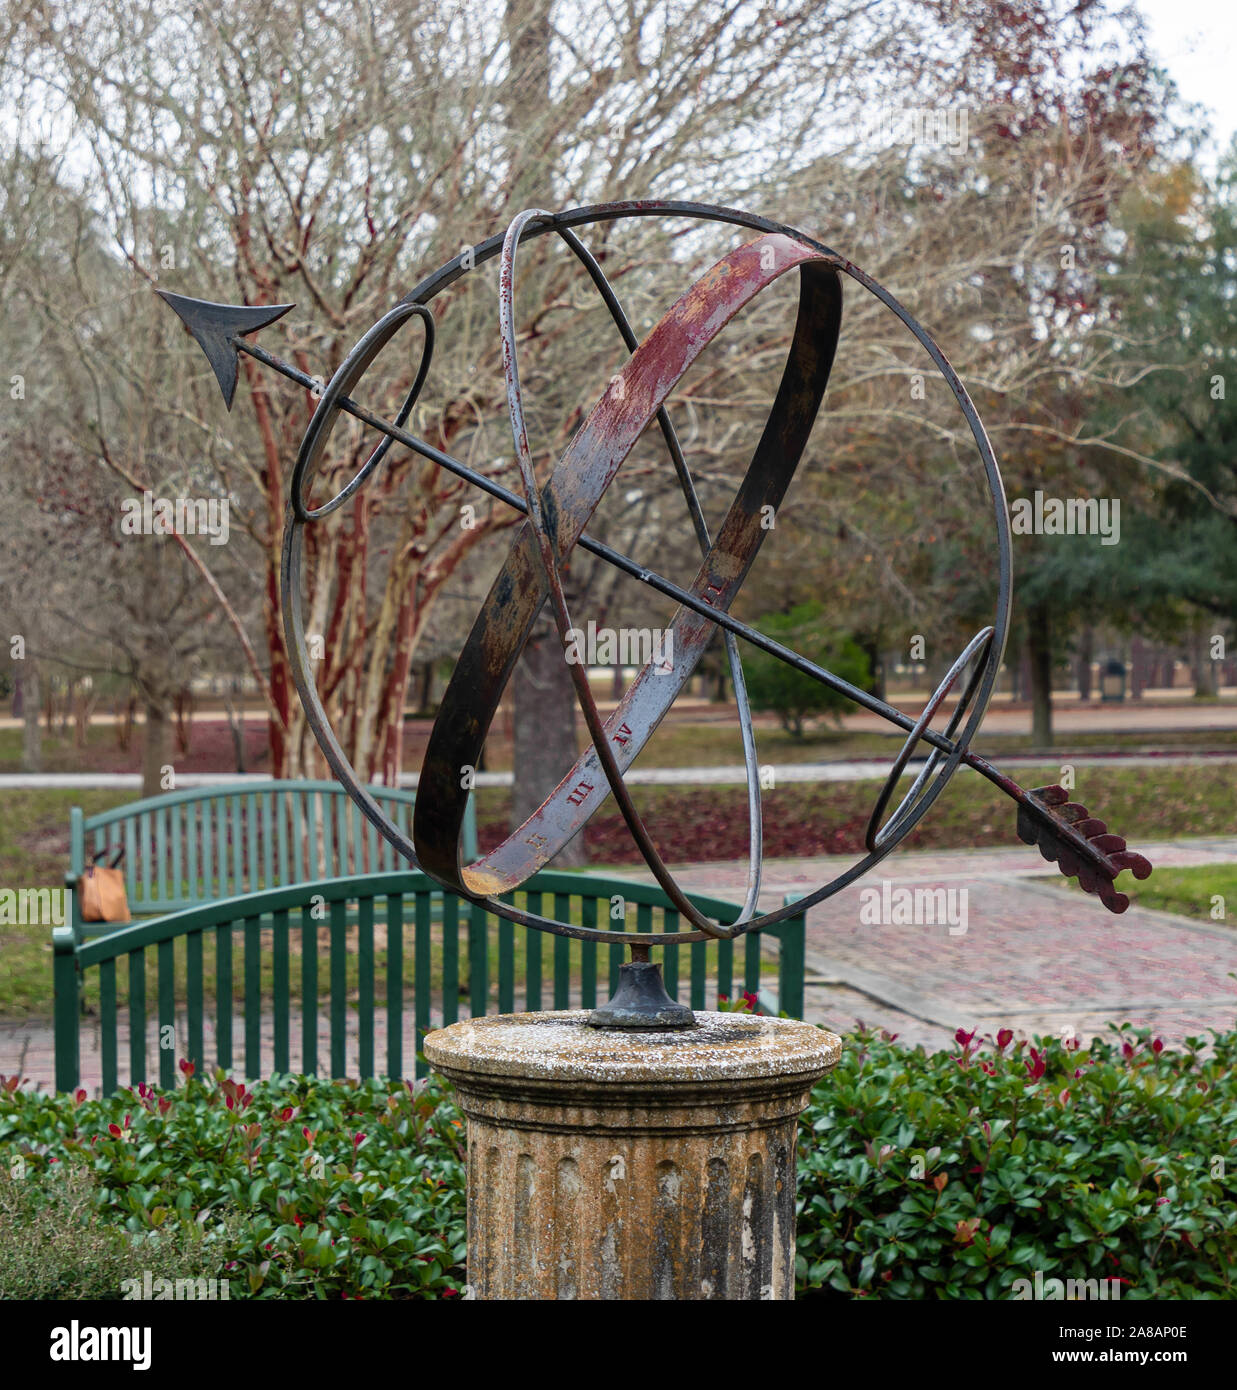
{"points": [[216, 326]]}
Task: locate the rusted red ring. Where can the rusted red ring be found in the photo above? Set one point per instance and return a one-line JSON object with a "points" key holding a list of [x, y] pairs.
{"points": [[530, 574]]}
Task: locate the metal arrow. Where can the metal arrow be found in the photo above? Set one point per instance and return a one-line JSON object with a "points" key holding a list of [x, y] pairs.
{"points": [[1064, 832], [219, 330]]}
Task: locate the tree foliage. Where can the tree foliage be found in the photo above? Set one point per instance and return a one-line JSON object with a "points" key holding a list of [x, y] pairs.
{"points": [[792, 695]]}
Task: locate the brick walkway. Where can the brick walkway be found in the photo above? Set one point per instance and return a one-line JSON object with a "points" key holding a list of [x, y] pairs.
{"points": [[1034, 957]]}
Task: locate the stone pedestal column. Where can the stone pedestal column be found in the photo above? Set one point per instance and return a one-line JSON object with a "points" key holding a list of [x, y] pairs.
{"points": [[631, 1165]]}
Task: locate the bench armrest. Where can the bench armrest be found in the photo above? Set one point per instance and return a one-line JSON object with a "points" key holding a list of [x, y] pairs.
{"points": [[75, 906]]}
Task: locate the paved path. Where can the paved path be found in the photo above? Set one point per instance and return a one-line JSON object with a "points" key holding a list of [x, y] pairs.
{"points": [[731, 774], [1033, 957]]}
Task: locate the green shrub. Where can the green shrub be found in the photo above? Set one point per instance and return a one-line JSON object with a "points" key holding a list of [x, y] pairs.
{"points": [[921, 1175], [304, 1187], [791, 695], [55, 1243], [1110, 1162]]}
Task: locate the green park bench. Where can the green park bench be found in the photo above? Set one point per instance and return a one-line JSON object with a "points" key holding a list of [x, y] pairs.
{"points": [[392, 945], [189, 848]]}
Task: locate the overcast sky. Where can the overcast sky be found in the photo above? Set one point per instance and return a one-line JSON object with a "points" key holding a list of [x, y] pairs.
{"points": [[1196, 41]]}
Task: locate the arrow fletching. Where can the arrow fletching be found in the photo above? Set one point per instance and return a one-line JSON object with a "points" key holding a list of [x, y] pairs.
{"points": [[1048, 819]]}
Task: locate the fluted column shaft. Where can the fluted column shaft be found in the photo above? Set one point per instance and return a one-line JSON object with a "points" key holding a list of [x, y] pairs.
{"points": [[611, 1165]]}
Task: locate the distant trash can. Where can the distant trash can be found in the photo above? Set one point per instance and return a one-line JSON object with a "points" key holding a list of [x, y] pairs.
{"points": [[1112, 681]]}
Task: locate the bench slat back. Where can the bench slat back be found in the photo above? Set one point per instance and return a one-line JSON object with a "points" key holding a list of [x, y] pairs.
{"points": [[348, 975], [219, 842]]}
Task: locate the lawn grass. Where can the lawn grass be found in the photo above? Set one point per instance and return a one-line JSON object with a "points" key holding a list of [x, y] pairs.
{"points": [[1188, 892], [34, 853], [714, 744]]}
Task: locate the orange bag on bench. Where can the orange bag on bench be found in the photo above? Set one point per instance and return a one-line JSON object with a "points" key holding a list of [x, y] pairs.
{"points": [[102, 888]]}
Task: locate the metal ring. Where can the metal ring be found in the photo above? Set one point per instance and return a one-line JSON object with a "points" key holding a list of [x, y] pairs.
{"points": [[751, 768], [350, 371], [579, 481], [888, 834], [980, 688], [601, 734]]}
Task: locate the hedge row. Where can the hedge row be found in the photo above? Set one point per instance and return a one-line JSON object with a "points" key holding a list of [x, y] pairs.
{"points": [[952, 1175]]}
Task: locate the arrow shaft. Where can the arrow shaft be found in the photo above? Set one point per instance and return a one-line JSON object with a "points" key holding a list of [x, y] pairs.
{"points": [[671, 590], [401, 436], [622, 562]]}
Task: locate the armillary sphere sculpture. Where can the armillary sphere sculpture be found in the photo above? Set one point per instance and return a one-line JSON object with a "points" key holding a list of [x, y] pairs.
{"points": [[556, 515]]}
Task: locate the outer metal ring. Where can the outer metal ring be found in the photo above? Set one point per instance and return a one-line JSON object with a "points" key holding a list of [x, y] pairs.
{"points": [[980, 688]]}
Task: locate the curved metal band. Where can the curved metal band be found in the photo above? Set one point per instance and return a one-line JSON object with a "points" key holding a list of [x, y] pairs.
{"points": [[354, 367], [566, 502]]}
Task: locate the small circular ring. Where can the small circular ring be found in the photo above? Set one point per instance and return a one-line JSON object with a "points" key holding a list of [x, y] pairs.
{"points": [[350, 371], [878, 837]]}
